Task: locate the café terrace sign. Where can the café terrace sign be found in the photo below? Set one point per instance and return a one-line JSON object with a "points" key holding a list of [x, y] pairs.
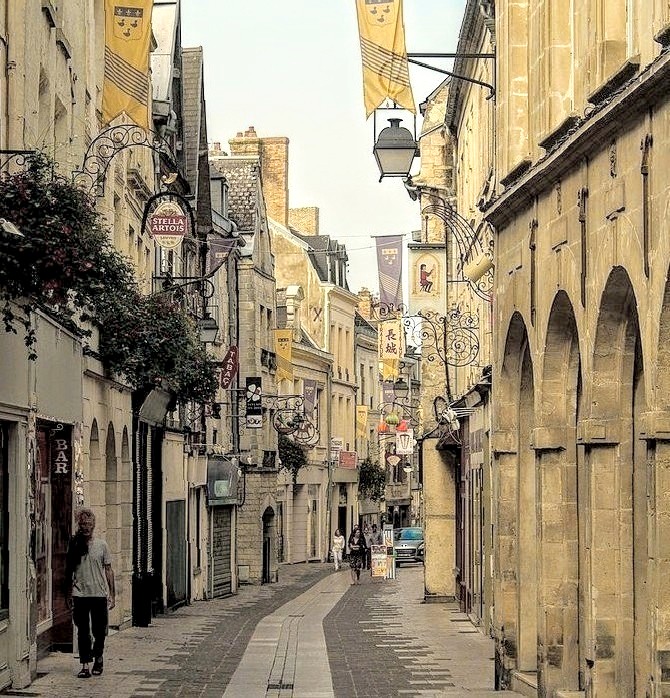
{"points": [[168, 224]]}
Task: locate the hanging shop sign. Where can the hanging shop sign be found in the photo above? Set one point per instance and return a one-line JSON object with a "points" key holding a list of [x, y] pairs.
{"points": [[168, 224], [231, 362], [404, 442], [253, 397], [349, 460]]}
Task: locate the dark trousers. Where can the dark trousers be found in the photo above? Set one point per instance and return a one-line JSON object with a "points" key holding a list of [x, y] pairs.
{"points": [[368, 558], [90, 616]]}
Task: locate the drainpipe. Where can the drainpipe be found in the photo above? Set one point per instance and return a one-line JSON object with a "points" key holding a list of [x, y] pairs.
{"points": [[14, 83]]}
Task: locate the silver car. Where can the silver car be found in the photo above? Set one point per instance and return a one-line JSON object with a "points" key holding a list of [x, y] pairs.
{"points": [[408, 545]]}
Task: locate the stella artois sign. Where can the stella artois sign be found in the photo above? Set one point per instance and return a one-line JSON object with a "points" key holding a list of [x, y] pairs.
{"points": [[168, 224]]}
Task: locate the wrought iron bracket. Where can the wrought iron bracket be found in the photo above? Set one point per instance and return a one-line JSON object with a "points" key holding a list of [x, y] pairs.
{"points": [[290, 418], [451, 339], [412, 58], [471, 244], [14, 158], [108, 143]]}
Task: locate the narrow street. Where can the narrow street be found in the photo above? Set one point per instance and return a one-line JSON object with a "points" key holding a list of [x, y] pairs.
{"points": [[310, 635]]}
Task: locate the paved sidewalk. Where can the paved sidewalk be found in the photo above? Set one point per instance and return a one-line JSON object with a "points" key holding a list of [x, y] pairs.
{"points": [[310, 636], [191, 652], [383, 640], [287, 654]]}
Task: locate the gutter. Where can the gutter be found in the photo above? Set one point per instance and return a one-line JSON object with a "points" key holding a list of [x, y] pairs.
{"points": [[590, 134]]}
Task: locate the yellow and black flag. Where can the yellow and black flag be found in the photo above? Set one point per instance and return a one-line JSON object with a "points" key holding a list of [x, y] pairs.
{"points": [[385, 68], [127, 42]]}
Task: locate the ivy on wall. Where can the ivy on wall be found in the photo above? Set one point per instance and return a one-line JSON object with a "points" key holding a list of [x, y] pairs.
{"points": [[66, 265], [291, 455], [371, 480]]}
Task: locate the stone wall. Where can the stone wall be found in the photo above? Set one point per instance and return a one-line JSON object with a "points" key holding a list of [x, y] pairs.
{"points": [[304, 220]]}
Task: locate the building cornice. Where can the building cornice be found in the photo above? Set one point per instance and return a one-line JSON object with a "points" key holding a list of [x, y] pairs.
{"points": [[588, 137]]}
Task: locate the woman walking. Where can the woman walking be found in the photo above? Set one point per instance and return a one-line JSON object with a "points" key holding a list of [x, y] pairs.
{"points": [[356, 554], [338, 548]]}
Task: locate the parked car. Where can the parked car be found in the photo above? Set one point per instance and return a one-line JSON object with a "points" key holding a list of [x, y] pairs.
{"points": [[408, 545]]}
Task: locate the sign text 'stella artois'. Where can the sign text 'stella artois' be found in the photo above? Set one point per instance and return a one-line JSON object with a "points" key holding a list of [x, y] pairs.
{"points": [[168, 224]]}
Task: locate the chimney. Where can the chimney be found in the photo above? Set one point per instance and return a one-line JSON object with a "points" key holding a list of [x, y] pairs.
{"points": [[274, 164], [247, 143], [304, 220]]}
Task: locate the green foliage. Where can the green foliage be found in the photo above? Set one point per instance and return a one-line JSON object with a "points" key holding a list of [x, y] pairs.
{"points": [[67, 266], [291, 455], [371, 480]]}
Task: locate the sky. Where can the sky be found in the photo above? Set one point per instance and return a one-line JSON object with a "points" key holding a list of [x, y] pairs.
{"points": [[293, 68]]}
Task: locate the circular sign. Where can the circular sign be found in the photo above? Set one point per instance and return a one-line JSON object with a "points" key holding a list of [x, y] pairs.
{"points": [[168, 224]]}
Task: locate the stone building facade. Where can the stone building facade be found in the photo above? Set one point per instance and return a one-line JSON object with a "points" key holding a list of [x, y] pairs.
{"points": [[257, 513], [580, 410]]}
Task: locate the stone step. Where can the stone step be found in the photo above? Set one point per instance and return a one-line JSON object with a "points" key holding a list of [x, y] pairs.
{"points": [[525, 683]]}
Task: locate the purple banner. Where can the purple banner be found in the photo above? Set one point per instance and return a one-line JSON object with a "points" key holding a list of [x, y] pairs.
{"points": [[388, 392], [389, 266], [219, 249], [309, 395]]}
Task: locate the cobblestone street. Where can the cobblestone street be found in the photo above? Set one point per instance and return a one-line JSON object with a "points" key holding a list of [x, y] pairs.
{"points": [[310, 635]]}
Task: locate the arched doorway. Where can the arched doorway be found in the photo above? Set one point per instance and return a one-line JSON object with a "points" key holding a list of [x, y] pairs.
{"points": [[269, 535], [560, 631], [616, 462], [515, 517]]}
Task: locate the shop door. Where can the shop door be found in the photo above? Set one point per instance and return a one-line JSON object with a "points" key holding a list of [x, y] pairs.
{"points": [[53, 527], [221, 549], [176, 553]]}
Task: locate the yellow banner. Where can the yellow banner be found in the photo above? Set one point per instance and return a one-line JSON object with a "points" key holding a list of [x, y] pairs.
{"points": [[361, 420], [283, 349], [390, 369], [391, 337], [127, 42], [385, 68]]}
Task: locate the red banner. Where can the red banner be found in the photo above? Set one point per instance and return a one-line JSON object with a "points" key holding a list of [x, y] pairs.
{"points": [[230, 366]]}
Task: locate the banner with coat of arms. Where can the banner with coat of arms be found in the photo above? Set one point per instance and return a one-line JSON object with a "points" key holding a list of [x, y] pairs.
{"points": [[127, 42], [284, 351], [384, 55]]}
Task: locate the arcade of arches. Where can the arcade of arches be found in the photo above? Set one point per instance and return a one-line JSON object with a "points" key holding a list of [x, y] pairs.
{"points": [[581, 437]]}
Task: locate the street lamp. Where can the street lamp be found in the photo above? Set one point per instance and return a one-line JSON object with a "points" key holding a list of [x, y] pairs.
{"points": [[209, 329], [395, 150]]}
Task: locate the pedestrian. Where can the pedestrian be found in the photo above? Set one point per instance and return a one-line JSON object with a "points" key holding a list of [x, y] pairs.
{"points": [[367, 534], [338, 549], [92, 594], [356, 554]]}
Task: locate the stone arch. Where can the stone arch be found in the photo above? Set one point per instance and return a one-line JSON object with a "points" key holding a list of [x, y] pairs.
{"points": [[560, 632], [616, 464], [111, 491], [659, 456], [516, 519], [269, 568], [94, 459]]}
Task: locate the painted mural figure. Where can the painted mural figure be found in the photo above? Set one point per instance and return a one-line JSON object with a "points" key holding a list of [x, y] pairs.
{"points": [[425, 284]]}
